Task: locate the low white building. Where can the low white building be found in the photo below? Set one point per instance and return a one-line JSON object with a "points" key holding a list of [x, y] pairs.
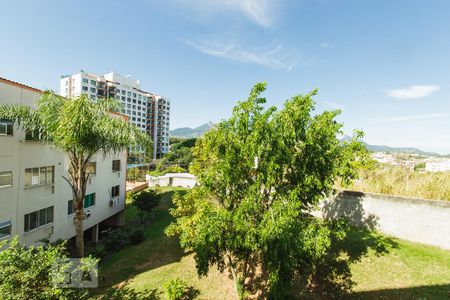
{"points": [[185, 180], [35, 201]]}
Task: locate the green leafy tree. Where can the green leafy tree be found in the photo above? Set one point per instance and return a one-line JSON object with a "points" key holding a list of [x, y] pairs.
{"points": [[146, 201], [260, 173], [81, 128], [29, 272]]}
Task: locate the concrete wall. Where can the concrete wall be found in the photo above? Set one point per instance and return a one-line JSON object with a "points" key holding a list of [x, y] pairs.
{"points": [[173, 179], [17, 154], [417, 220]]}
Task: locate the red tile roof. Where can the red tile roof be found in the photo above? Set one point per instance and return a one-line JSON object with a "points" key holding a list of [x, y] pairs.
{"points": [[14, 83]]}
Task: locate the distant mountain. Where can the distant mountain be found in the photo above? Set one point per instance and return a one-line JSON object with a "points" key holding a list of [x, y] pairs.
{"points": [[383, 148], [186, 132]]}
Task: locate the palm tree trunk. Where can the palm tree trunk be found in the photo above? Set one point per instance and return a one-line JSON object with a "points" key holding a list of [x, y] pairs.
{"points": [[79, 233]]}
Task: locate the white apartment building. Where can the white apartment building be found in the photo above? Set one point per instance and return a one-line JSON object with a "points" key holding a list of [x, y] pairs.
{"points": [[148, 111], [35, 201]]}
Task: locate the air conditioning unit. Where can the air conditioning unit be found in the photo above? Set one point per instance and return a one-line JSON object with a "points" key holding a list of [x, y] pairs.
{"points": [[114, 202], [87, 214]]}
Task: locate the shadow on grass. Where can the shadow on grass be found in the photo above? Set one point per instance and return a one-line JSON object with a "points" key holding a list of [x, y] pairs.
{"points": [[156, 251], [360, 241], [361, 237], [431, 292]]}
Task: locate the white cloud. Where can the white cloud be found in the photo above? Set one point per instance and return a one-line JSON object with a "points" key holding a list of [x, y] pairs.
{"points": [[410, 118], [263, 12], [414, 91], [273, 56]]}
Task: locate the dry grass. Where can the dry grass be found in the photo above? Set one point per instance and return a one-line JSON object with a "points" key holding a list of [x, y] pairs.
{"points": [[399, 181]]}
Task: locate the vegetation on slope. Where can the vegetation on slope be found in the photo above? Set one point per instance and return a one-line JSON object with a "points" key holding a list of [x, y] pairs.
{"points": [[381, 267], [399, 181]]}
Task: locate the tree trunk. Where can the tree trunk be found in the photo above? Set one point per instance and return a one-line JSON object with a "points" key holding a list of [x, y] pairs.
{"points": [[79, 191], [79, 233], [235, 279]]}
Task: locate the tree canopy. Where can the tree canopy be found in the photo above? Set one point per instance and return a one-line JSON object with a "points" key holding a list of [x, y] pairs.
{"points": [[260, 173], [31, 272]]}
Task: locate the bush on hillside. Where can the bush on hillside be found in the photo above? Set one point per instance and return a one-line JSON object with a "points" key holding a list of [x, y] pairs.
{"points": [[147, 200]]}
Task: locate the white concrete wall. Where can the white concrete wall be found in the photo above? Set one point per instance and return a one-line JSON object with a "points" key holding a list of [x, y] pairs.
{"points": [[172, 179], [417, 220], [16, 155]]}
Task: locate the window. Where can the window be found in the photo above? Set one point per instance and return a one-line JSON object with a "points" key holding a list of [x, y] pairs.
{"points": [[6, 127], [70, 207], [116, 165], [6, 178], [84, 88], [92, 168], [38, 218], [93, 82], [123, 92], [92, 89], [39, 176], [123, 98], [115, 191], [85, 80], [129, 94], [89, 200], [139, 96], [5, 228]]}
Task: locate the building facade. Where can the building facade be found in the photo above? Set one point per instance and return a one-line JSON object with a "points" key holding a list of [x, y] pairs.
{"points": [[35, 201], [148, 111]]}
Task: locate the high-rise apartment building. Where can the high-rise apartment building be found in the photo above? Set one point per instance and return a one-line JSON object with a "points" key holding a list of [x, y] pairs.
{"points": [[35, 201], [148, 111]]}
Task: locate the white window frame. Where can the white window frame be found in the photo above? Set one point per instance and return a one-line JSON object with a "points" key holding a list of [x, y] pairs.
{"points": [[39, 177], [5, 175], [38, 214], [6, 124], [5, 224]]}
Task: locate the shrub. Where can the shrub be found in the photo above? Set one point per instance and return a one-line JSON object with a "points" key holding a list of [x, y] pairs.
{"points": [[160, 171], [29, 272], [176, 289], [98, 251], [146, 200], [117, 240], [137, 236]]}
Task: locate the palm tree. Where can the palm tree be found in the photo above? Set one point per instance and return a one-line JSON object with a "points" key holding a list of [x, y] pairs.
{"points": [[80, 128]]}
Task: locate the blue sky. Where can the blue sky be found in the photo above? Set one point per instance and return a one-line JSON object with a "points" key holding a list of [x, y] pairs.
{"points": [[385, 63]]}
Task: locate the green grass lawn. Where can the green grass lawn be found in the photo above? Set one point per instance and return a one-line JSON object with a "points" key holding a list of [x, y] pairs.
{"points": [[382, 267]]}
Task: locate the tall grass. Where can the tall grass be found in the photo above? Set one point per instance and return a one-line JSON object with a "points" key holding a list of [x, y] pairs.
{"points": [[399, 181]]}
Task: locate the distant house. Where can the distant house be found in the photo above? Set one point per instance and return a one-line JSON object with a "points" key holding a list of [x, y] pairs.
{"points": [[438, 166]]}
